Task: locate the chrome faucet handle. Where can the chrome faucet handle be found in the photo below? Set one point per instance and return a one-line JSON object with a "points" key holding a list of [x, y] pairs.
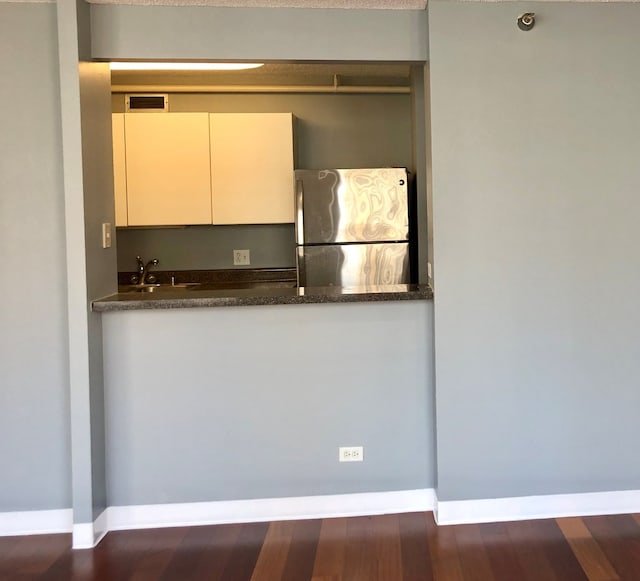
{"points": [[143, 269]]}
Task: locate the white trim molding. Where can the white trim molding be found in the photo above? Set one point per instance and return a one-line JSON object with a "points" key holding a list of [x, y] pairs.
{"points": [[88, 535], [83, 536], [451, 512], [36, 522], [269, 509]]}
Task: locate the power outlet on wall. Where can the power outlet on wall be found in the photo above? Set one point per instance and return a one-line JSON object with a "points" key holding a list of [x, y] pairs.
{"points": [[350, 454], [241, 257]]}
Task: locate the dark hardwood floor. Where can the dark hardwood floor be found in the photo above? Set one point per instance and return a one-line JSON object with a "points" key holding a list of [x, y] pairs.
{"points": [[405, 547]]}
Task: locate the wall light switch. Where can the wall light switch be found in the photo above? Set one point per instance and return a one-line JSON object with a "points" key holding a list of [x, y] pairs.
{"points": [[106, 235]]}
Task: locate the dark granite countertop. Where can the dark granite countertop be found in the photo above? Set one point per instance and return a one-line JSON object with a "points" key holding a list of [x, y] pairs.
{"points": [[194, 297]]}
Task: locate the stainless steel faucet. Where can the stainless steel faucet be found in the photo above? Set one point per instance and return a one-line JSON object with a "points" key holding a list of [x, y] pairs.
{"points": [[143, 269]]}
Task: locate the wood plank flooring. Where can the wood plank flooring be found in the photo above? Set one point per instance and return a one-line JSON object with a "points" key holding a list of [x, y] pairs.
{"points": [[404, 547]]}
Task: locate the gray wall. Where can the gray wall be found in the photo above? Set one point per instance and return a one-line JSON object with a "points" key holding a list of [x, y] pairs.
{"points": [[331, 131], [536, 213], [51, 360], [207, 247], [34, 399], [253, 402], [536, 210], [95, 83], [421, 153], [85, 107], [180, 403], [198, 32]]}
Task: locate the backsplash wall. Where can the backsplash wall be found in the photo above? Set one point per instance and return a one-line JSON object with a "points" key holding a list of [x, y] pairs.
{"points": [[332, 130], [207, 247]]}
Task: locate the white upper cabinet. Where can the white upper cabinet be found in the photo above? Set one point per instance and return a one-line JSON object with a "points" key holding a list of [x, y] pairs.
{"points": [[252, 168], [167, 169], [119, 169], [201, 168]]}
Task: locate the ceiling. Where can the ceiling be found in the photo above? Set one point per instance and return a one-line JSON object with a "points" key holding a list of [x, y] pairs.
{"points": [[353, 4]]}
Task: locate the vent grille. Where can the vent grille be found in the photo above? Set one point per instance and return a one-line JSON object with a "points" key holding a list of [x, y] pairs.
{"points": [[157, 102]]}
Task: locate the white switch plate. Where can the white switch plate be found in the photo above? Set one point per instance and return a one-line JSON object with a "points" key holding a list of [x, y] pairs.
{"points": [[241, 257], [106, 235], [350, 454]]}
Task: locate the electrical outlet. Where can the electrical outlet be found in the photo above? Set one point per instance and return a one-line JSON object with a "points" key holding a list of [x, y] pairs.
{"points": [[350, 454], [106, 235], [241, 257]]}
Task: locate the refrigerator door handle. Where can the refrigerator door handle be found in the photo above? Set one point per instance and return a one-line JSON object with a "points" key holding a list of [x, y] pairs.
{"points": [[299, 212]]}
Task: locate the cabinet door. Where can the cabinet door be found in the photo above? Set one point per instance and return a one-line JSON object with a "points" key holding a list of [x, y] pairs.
{"points": [[252, 168], [168, 172], [119, 169]]}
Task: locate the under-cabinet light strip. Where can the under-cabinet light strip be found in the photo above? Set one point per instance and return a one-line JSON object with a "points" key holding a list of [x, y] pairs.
{"points": [[154, 66]]}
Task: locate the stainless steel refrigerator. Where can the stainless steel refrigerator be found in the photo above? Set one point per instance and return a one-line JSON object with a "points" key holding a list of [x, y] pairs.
{"points": [[352, 227]]}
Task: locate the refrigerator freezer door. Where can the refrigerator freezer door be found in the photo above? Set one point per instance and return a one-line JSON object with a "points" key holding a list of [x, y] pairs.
{"points": [[353, 264], [351, 205]]}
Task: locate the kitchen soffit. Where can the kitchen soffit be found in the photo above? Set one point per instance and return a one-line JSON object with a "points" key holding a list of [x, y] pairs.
{"points": [[274, 74]]}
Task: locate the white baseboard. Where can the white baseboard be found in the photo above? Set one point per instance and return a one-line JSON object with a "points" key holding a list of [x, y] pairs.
{"points": [[269, 509], [88, 535], [82, 535], [100, 526], [36, 522], [536, 507]]}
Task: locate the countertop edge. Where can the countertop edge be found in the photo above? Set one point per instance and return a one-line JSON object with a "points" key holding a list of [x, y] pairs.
{"points": [[124, 302]]}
